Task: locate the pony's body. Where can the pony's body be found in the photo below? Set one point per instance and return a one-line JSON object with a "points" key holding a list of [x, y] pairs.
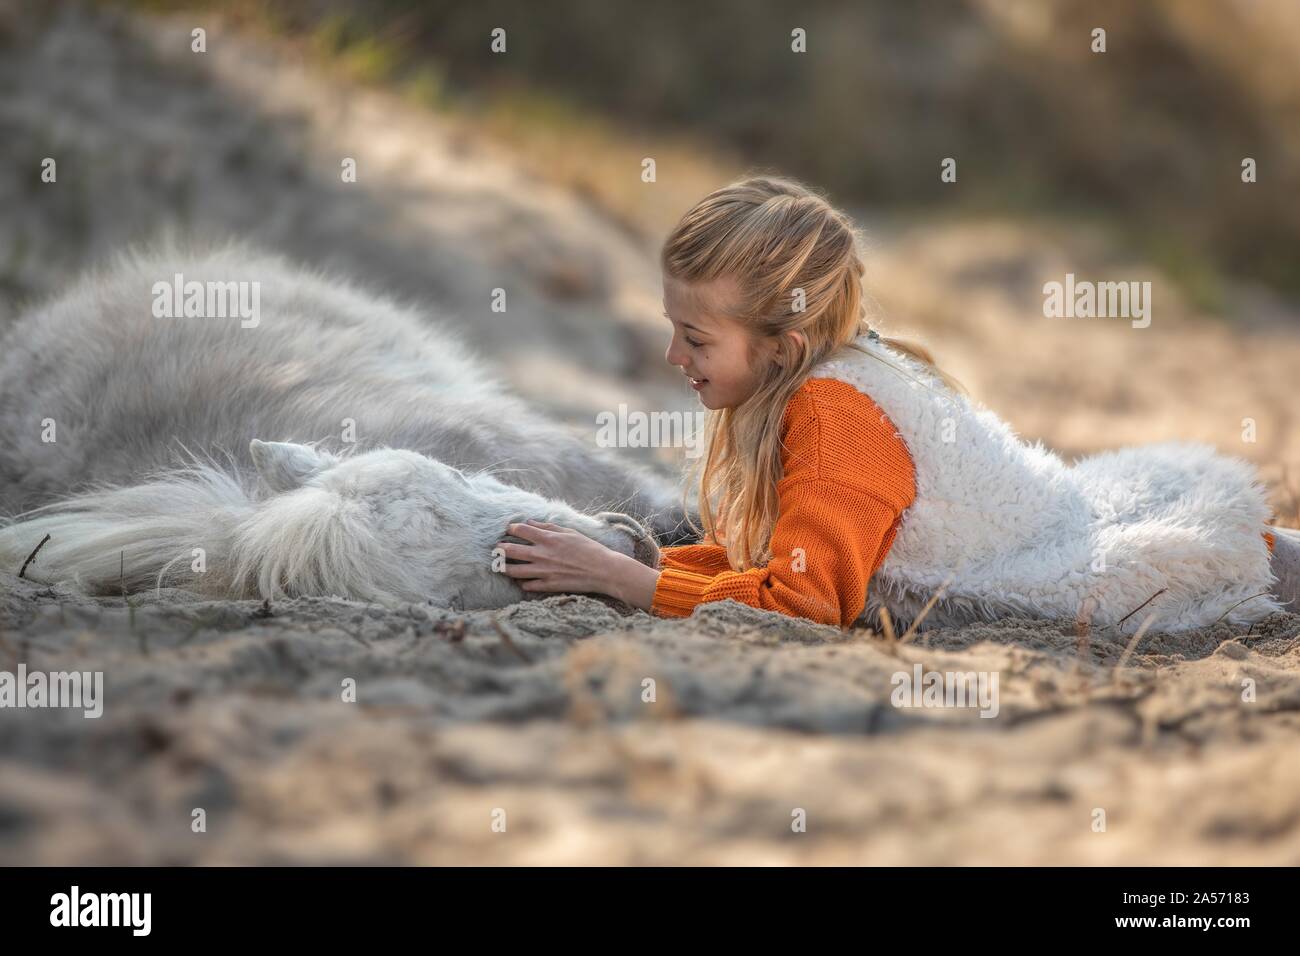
{"points": [[123, 393]]}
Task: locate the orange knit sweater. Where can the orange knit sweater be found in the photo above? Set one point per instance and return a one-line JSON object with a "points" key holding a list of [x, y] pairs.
{"points": [[847, 478]]}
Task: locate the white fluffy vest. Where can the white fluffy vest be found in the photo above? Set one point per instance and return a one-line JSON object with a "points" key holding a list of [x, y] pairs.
{"points": [[1025, 535]]}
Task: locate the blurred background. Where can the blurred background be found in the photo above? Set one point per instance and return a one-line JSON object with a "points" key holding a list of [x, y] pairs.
{"points": [[523, 170]]}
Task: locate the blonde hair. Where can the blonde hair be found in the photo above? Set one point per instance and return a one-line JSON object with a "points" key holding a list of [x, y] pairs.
{"points": [[773, 236]]}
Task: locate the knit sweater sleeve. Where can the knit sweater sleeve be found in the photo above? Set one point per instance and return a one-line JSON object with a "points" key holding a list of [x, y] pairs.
{"points": [[701, 558], [827, 542], [848, 480]]}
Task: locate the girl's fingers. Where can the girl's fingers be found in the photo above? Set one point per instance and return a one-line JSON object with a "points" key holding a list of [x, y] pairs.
{"points": [[535, 571], [529, 532], [523, 570], [541, 585]]}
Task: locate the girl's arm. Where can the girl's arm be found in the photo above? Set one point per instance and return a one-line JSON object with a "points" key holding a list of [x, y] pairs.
{"points": [[830, 538]]}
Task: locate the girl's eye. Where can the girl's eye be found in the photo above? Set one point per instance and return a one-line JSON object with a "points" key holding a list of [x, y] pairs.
{"points": [[689, 341]]}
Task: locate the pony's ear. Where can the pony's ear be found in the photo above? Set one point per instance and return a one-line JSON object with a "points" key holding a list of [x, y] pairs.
{"points": [[285, 466]]}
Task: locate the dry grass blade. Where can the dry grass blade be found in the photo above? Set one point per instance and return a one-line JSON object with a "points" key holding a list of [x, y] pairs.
{"points": [[911, 631], [1121, 621], [1239, 604], [1132, 645], [31, 557], [1083, 633], [887, 627]]}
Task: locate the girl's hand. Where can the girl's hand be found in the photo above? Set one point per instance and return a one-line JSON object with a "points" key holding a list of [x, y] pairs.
{"points": [[561, 559]]}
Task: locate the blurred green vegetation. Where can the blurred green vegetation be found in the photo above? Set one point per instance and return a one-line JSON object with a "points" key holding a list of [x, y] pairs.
{"points": [[1148, 136]]}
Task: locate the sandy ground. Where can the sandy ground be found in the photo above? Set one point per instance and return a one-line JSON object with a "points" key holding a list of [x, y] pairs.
{"points": [[238, 710]]}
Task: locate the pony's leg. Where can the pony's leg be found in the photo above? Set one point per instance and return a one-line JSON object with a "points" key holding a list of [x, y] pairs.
{"points": [[1285, 563]]}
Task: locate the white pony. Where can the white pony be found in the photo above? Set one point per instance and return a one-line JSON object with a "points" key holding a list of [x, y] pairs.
{"points": [[327, 441]]}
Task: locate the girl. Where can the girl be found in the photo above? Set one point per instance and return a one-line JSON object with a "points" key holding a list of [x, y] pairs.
{"points": [[835, 455]]}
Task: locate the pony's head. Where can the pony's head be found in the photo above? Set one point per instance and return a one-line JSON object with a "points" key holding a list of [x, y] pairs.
{"points": [[391, 525]]}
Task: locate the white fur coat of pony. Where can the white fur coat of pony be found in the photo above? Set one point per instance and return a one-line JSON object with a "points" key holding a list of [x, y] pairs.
{"points": [[1023, 534], [339, 444]]}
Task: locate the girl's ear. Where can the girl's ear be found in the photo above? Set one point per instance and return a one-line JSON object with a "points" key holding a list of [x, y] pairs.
{"points": [[795, 336]]}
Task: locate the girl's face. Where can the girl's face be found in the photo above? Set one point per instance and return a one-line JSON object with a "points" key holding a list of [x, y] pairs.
{"points": [[711, 349]]}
